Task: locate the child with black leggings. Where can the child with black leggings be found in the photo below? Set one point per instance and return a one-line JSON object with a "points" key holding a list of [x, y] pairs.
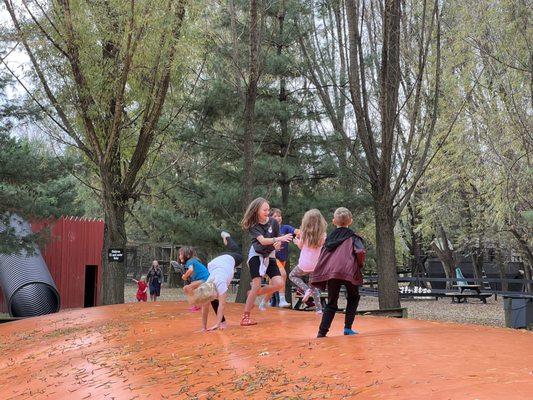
{"points": [[340, 264]]}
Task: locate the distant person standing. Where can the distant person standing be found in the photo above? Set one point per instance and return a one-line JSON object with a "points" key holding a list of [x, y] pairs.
{"points": [[155, 278]]}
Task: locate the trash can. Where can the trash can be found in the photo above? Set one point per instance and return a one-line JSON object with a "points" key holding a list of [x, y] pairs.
{"points": [[518, 311]]}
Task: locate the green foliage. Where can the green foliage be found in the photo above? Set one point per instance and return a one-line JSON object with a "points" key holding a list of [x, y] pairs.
{"points": [[33, 184], [479, 186]]}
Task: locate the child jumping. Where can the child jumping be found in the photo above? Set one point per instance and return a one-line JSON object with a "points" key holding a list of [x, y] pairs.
{"points": [[312, 238], [340, 263], [264, 231], [142, 288], [195, 270], [221, 271]]}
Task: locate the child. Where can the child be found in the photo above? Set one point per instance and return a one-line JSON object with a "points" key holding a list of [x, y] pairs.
{"points": [[264, 231], [281, 258], [215, 289], [313, 236], [195, 270], [340, 263], [142, 288]]}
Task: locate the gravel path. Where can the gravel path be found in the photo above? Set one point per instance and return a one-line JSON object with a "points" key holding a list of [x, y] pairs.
{"points": [[474, 312]]}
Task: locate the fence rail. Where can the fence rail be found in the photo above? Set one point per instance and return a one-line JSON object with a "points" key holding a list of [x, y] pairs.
{"points": [[421, 281], [374, 278]]}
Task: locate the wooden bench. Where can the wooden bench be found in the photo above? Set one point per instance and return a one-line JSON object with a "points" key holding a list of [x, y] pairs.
{"points": [[387, 312], [462, 297]]}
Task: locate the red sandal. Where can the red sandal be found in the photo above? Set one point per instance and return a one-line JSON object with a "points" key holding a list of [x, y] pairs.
{"points": [[246, 320]]}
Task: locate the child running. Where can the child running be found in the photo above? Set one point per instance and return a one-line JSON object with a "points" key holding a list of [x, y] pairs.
{"points": [[195, 270], [142, 288], [215, 289], [340, 263], [312, 238], [264, 231]]}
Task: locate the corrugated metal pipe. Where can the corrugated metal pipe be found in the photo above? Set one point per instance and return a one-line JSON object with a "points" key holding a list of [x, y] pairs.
{"points": [[28, 287]]}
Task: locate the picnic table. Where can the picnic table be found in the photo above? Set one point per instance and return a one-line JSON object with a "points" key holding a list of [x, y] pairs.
{"points": [[462, 288], [473, 291]]}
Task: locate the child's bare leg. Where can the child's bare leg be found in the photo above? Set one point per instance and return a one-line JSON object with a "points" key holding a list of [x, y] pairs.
{"points": [[266, 298], [282, 301], [283, 279], [273, 286], [252, 294], [205, 312]]}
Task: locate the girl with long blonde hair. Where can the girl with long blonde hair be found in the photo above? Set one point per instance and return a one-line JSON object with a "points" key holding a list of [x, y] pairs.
{"points": [[310, 242]]}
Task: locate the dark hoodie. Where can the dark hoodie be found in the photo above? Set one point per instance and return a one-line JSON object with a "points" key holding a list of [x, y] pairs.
{"points": [[342, 257], [337, 236]]}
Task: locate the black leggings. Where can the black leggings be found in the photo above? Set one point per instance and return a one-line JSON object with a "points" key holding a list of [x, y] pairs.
{"points": [[352, 295], [214, 303]]}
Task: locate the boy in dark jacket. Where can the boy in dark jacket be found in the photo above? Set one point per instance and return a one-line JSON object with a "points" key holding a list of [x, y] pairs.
{"points": [[340, 263]]}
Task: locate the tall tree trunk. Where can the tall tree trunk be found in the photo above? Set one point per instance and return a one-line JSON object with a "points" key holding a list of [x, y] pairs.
{"points": [[502, 267], [478, 260], [283, 116], [418, 268], [114, 238], [285, 186], [380, 164], [386, 258], [446, 254], [248, 140], [526, 251], [94, 120]]}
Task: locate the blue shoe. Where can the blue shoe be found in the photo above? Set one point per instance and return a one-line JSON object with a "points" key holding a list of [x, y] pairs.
{"points": [[349, 332]]}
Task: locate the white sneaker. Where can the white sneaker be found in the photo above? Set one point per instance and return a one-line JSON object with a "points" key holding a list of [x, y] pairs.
{"points": [[319, 312], [307, 294], [284, 304], [225, 235], [262, 305]]}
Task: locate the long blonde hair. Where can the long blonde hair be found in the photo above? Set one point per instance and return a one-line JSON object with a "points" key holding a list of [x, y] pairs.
{"points": [[203, 294], [313, 228], [250, 215]]}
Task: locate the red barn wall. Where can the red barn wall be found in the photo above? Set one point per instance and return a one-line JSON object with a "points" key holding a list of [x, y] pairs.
{"points": [[74, 244]]}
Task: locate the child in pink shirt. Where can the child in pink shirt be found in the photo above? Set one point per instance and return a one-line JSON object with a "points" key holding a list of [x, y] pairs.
{"points": [[312, 237]]}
